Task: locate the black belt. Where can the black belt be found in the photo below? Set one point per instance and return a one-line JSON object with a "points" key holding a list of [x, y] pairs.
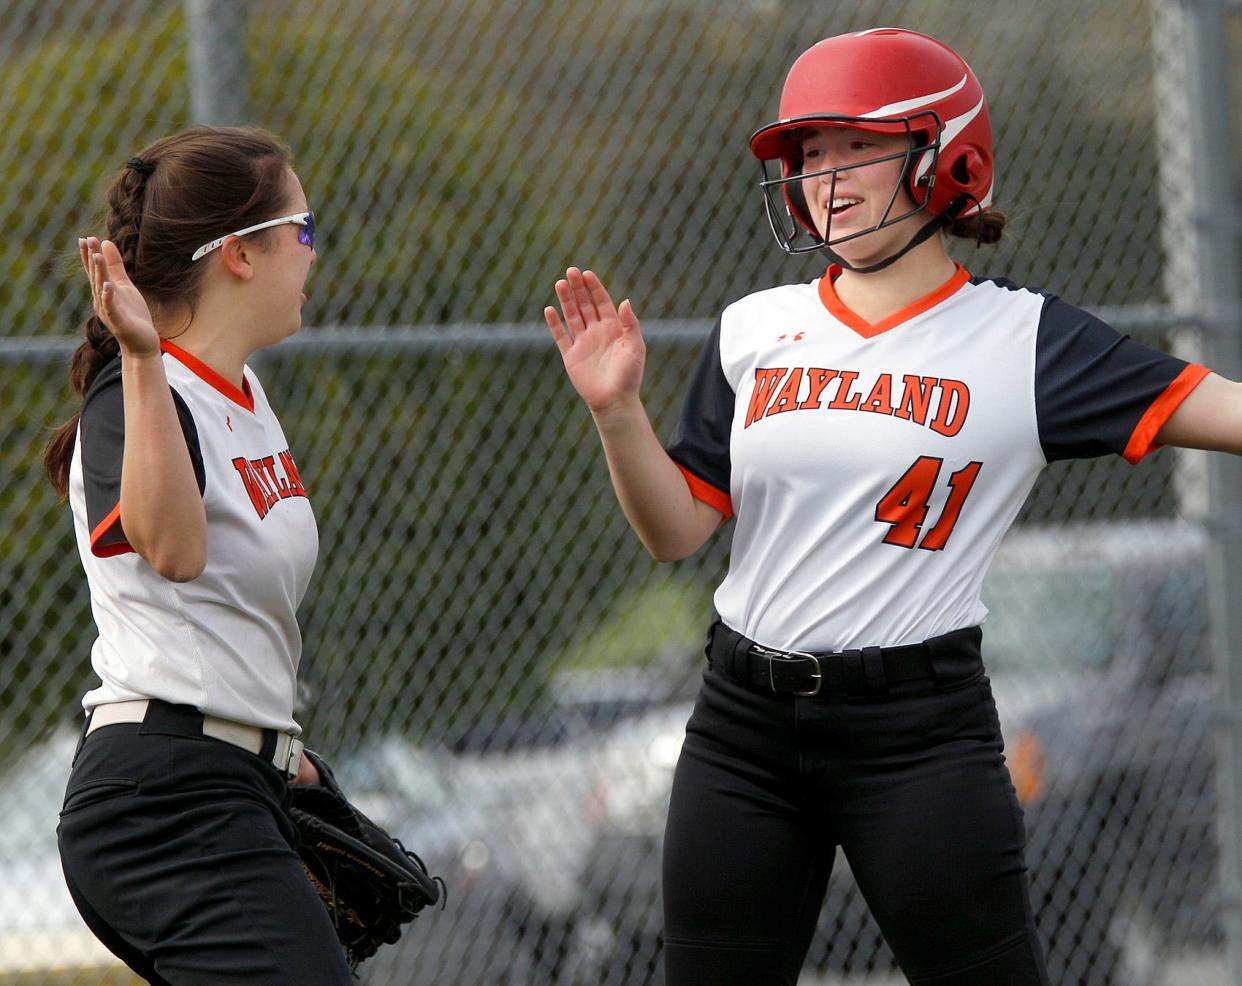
{"points": [[863, 671]]}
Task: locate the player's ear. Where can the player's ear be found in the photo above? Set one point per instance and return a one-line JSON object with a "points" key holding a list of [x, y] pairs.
{"points": [[237, 258]]}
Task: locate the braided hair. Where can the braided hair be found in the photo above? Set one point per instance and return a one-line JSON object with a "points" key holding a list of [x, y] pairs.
{"points": [[178, 193]]}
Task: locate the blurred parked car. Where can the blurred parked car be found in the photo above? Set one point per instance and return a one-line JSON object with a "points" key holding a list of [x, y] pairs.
{"points": [[1096, 646], [505, 825], [1117, 771]]}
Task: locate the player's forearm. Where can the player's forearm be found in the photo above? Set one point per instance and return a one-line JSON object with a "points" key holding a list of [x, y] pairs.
{"points": [[1210, 417], [161, 505], [652, 491]]}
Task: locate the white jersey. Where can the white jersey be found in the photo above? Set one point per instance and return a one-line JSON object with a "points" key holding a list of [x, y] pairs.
{"points": [[227, 642], [873, 469]]}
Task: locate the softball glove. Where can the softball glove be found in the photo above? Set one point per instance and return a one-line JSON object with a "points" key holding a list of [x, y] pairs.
{"points": [[369, 882]]}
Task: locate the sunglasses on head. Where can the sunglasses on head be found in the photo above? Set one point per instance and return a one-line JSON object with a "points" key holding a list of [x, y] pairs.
{"points": [[306, 232]]}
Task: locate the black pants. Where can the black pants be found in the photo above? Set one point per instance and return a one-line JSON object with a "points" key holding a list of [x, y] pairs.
{"points": [[180, 860], [911, 785]]}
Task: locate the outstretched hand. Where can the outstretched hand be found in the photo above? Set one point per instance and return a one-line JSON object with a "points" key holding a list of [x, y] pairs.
{"points": [[600, 344], [118, 304]]}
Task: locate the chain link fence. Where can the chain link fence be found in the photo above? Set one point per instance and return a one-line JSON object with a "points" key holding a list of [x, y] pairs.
{"points": [[500, 670]]}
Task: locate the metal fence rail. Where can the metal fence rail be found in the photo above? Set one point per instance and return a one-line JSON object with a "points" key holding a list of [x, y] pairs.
{"points": [[501, 669]]}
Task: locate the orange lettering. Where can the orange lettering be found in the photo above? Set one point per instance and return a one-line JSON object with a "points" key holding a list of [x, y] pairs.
{"points": [[261, 476], [954, 403], [915, 398], [766, 382], [291, 470], [905, 506], [787, 399], [959, 488], [281, 487], [255, 491], [880, 398], [818, 380], [843, 401]]}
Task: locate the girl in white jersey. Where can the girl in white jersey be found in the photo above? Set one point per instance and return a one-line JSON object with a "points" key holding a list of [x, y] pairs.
{"points": [[198, 542], [873, 433]]}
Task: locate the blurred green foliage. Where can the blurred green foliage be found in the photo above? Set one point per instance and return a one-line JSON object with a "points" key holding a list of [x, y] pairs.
{"points": [[644, 627], [67, 93], [459, 160]]}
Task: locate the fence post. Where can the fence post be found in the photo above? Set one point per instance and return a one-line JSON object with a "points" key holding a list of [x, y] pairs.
{"points": [[219, 81], [1201, 241]]}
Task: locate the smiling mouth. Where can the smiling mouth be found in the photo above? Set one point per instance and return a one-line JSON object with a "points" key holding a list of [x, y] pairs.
{"points": [[841, 206]]}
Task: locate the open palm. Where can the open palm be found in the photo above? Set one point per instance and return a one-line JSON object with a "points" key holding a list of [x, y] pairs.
{"points": [[601, 345], [118, 303]]}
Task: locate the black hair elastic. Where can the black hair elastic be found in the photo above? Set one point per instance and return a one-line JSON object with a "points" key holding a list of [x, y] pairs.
{"points": [[144, 168], [978, 217]]}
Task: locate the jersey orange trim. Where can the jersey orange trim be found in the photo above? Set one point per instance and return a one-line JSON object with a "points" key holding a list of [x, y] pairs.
{"points": [[828, 295], [240, 396], [707, 493], [1143, 438], [108, 550]]}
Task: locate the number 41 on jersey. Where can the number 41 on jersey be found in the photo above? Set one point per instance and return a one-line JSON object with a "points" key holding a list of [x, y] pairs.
{"points": [[905, 506]]}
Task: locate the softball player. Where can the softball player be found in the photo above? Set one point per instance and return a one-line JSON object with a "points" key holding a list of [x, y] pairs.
{"points": [[873, 433], [198, 541]]}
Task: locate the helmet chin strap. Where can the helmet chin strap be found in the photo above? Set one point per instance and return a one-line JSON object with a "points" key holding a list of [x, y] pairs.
{"points": [[930, 228]]}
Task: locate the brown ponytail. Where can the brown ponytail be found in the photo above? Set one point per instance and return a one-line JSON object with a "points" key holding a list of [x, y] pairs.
{"points": [[179, 193], [983, 228], [88, 359]]}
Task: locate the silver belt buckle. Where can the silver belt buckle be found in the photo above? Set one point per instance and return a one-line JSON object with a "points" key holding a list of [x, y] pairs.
{"points": [[290, 760], [785, 655]]}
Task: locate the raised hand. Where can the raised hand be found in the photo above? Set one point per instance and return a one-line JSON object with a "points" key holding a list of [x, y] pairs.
{"points": [[601, 345], [118, 304]]}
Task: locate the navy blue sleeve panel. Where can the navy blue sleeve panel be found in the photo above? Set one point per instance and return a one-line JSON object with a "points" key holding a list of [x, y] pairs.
{"points": [[102, 430], [701, 445], [1099, 392]]}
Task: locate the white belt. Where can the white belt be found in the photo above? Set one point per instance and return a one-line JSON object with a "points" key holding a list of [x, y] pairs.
{"points": [[286, 759]]}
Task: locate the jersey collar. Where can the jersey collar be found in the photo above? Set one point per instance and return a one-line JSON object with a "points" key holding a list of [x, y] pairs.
{"points": [[242, 396], [828, 295]]}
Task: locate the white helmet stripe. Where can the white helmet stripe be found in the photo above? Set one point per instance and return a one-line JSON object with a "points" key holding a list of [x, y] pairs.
{"points": [[986, 201], [925, 160], [951, 129], [896, 109], [955, 126]]}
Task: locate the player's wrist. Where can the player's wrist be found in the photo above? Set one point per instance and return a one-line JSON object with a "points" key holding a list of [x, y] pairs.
{"points": [[620, 413], [139, 353]]}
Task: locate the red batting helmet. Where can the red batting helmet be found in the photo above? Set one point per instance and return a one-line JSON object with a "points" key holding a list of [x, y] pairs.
{"points": [[885, 80]]}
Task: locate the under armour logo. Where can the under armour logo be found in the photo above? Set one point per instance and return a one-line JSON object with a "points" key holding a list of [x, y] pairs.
{"points": [[796, 338]]}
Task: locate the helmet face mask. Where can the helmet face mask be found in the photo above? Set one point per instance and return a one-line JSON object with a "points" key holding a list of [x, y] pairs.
{"points": [[785, 203], [890, 81]]}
